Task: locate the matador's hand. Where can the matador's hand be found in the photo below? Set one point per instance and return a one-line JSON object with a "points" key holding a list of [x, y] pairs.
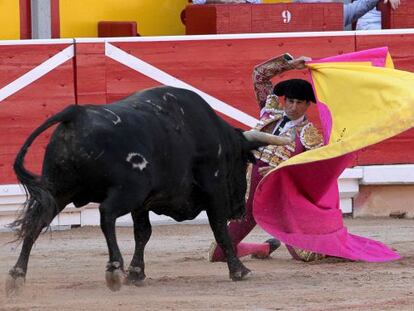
{"points": [[299, 63]]}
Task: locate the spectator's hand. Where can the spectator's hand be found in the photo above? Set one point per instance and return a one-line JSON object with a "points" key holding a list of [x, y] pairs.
{"points": [[264, 170], [299, 63], [394, 3]]}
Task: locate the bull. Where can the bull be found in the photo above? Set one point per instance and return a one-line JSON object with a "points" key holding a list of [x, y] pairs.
{"points": [[162, 149]]}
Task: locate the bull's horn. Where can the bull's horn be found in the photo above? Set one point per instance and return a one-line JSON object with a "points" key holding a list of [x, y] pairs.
{"points": [[269, 139]]}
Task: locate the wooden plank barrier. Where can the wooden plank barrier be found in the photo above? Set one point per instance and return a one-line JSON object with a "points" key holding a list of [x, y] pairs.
{"points": [[36, 81], [117, 29], [253, 18], [403, 17], [225, 75], [219, 67], [39, 78], [90, 80]]}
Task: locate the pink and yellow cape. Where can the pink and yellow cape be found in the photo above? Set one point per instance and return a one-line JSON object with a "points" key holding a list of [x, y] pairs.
{"points": [[360, 96]]}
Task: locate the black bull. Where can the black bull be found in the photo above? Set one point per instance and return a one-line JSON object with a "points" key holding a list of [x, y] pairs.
{"points": [[162, 150]]}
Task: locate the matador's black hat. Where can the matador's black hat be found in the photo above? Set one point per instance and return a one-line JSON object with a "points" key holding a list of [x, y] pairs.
{"points": [[295, 89]]}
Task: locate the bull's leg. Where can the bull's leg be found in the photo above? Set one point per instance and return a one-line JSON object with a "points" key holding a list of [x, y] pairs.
{"points": [[117, 203], [115, 266], [219, 226], [17, 275], [142, 233]]}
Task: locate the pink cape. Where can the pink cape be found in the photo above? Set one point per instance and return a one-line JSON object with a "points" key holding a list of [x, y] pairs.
{"points": [[299, 204]]}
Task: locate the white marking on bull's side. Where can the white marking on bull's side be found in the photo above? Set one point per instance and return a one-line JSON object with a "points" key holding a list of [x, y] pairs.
{"points": [[149, 101], [139, 162], [165, 96], [219, 151], [182, 110], [216, 173], [117, 118]]}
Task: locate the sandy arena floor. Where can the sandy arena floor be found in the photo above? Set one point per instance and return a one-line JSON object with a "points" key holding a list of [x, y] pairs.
{"points": [[66, 272]]}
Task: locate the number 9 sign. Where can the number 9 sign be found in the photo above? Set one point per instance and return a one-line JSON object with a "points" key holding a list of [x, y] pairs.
{"points": [[287, 16]]}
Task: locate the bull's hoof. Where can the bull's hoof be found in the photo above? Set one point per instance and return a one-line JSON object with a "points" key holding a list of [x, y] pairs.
{"points": [[114, 276], [135, 276], [15, 282], [241, 274]]}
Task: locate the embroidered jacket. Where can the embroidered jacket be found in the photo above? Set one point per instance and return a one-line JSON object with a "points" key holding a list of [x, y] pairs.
{"points": [[307, 136]]}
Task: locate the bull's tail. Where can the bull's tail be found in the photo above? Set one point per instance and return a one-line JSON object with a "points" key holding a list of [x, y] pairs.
{"points": [[40, 206]]}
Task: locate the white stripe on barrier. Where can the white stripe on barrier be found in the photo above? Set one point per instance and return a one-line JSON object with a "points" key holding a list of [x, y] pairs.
{"points": [[220, 36], [167, 79], [385, 32], [37, 41], [37, 72], [272, 35]]}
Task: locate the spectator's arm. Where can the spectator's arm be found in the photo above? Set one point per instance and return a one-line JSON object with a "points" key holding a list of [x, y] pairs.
{"points": [[356, 9]]}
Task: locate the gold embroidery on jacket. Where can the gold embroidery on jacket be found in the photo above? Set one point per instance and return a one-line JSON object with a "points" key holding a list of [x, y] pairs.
{"points": [[274, 155], [272, 103], [310, 137]]}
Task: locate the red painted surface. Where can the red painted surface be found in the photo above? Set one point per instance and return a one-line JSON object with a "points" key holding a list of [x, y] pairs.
{"points": [[16, 60], [55, 18], [250, 18], [221, 68], [121, 81], [22, 112], [403, 17], [90, 73], [117, 29], [25, 19], [400, 46], [396, 150]]}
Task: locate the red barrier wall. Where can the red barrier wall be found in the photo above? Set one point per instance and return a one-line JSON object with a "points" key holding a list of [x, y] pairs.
{"points": [[219, 67], [251, 18], [401, 18], [90, 73], [25, 110]]}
